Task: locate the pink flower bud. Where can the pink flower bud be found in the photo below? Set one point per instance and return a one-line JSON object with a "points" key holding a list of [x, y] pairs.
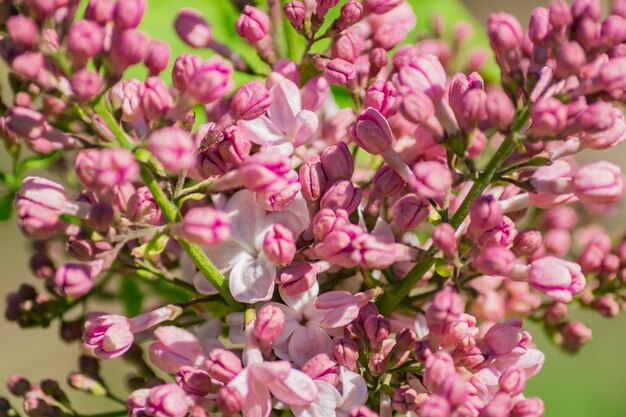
{"points": [[485, 214], [362, 411], [84, 40], [348, 45], [504, 32], [279, 245], [613, 74], [172, 147], [313, 179], [295, 12], [234, 148], [28, 65], [167, 400], [380, 6], [73, 280], [346, 352], [560, 218], [342, 195], [100, 11], [417, 108], [377, 329], [499, 108], [527, 242], [175, 348], [409, 212], [194, 381], [387, 182], [128, 14], [445, 240], [351, 13], [296, 278], [433, 179], [339, 72], [556, 278], [513, 381], [539, 26], [426, 74], [229, 401], [382, 97], [23, 30], [444, 312], [557, 242], [157, 56], [436, 369], [39, 203], [107, 336], [141, 207], [570, 59], [252, 25], [575, 334], [548, 117], [211, 81], [586, 8], [603, 126], [278, 201], [495, 260], [454, 389], [185, 66], [337, 162], [404, 400], [155, 98], [372, 132], [606, 306], [205, 226], [378, 59], [223, 365], [193, 29], [86, 84], [128, 48], [263, 172], [499, 406], [251, 101], [598, 183], [323, 6], [327, 221], [529, 407], [322, 368], [269, 323]]}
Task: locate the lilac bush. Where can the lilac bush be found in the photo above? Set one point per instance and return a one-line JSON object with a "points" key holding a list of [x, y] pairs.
{"points": [[356, 230]]}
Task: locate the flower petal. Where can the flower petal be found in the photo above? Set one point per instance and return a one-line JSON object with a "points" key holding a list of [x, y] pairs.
{"points": [[286, 104], [306, 125], [307, 342], [252, 281], [354, 389], [261, 131], [296, 389]]}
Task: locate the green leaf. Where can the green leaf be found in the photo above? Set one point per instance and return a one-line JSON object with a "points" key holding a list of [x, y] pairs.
{"points": [[194, 196], [443, 268], [38, 162], [169, 292], [152, 247], [131, 296], [6, 206]]}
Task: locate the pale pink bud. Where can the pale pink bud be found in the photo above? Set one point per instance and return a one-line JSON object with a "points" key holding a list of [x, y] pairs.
{"points": [[172, 147], [556, 278], [234, 148], [346, 352], [73, 280], [570, 59], [387, 182], [444, 312], [100, 11], [296, 278], [500, 109], [128, 14], [436, 369], [485, 214], [278, 201], [613, 74], [223, 365], [548, 117], [279, 245], [409, 212], [529, 407], [612, 31], [39, 203], [495, 260], [372, 132], [504, 32], [404, 399], [454, 389], [378, 59], [107, 336], [606, 306], [210, 81], [603, 126], [157, 56], [575, 334], [128, 48], [250, 101], [252, 25], [348, 45], [23, 30], [141, 207], [342, 195], [185, 66], [155, 98], [86, 84], [295, 12], [339, 72], [557, 242], [539, 26], [362, 411], [205, 226], [337, 162], [527, 242], [598, 183], [313, 179], [263, 172], [499, 406], [322, 367], [513, 381], [381, 96], [327, 221], [28, 65], [433, 179], [586, 8], [229, 401], [167, 400], [445, 240], [417, 107], [377, 329], [380, 6], [269, 323], [194, 381], [193, 29], [84, 40], [426, 74]]}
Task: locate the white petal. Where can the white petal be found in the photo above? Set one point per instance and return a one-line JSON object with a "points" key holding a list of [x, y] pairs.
{"points": [[202, 285], [252, 281], [226, 255], [246, 215], [261, 131], [307, 342], [286, 104], [306, 125], [354, 389]]}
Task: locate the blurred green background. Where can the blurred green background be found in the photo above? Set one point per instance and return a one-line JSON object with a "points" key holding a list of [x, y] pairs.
{"points": [[589, 384]]}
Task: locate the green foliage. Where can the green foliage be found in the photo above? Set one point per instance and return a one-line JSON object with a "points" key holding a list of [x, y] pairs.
{"points": [[131, 296], [152, 247]]}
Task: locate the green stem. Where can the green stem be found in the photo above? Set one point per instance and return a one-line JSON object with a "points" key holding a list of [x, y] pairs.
{"points": [[108, 118], [391, 299]]}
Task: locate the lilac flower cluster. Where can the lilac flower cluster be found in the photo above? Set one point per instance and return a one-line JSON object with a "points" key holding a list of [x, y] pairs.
{"points": [[279, 251]]}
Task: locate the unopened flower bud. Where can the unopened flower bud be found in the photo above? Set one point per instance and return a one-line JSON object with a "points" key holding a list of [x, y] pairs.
{"points": [[485, 214], [433, 179], [194, 381], [372, 132], [313, 179], [598, 183], [380, 6], [210, 81], [337, 162], [404, 400], [500, 109], [296, 278], [128, 14], [222, 365], [172, 147], [513, 381], [229, 401], [253, 24], [495, 260], [527, 242], [193, 29], [377, 329], [264, 172], [128, 48], [381, 96], [279, 245], [339, 72], [575, 334], [504, 32], [529, 407], [346, 352], [167, 400], [342, 195], [445, 240], [251, 101], [205, 226], [409, 212], [269, 323], [322, 368], [295, 12], [157, 56], [22, 30], [348, 45]]}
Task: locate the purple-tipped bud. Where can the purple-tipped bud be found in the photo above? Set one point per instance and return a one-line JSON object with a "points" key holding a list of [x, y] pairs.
{"points": [[23, 30], [17, 385], [342, 195], [387, 182], [279, 245], [372, 132], [193, 28], [73, 280], [495, 260], [295, 12], [86, 84], [313, 180], [194, 381], [229, 401], [128, 48], [598, 183], [269, 323], [205, 226], [485, 214], [128, 14], [377, 329], [297, 278], [210, 81], [346, 352], [222, 365], [339, 72], [172, 147], [252, 25], [433, 179], [84, 40], [251, 101], [157, 56], [337, 162], [500, 109], [351, 13], [445, 240], [382, 97], [348, 46], [504, 32], [141, 207], [527, 242], [409, 212]]}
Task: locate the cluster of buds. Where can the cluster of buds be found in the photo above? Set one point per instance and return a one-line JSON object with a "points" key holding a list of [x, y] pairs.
{"points": [[287, 252]]}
